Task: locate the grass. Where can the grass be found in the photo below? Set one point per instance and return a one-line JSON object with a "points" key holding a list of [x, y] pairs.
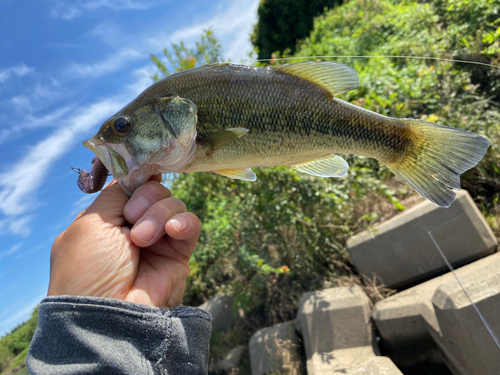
{"points": [[18, 360]]}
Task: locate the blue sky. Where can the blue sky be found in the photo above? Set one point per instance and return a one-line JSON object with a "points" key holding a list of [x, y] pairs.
{"points": [[65, 66]]}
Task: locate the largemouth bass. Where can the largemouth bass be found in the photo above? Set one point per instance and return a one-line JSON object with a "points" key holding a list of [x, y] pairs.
{"points": [[227, 118]]}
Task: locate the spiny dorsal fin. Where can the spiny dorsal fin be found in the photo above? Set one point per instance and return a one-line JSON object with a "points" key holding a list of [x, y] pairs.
{"points": [[238, 174], [222, 138], [215, 64], [330, 166], [334, 77]]}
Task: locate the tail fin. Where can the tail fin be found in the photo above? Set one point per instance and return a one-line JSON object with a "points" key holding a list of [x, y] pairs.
{"points": [[438, 156]]}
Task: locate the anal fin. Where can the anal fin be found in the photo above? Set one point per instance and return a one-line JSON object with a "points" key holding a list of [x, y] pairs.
{"points": [[238, 174], [329, 166]]}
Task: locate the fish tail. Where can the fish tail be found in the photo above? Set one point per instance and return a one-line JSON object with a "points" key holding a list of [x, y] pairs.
{"points": [[436, 157]]}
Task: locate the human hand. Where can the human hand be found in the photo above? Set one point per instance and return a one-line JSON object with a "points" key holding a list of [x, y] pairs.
{"points": [[136, 249]]}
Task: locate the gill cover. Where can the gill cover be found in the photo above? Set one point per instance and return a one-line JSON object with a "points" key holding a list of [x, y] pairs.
{"points": [[160, 137]]}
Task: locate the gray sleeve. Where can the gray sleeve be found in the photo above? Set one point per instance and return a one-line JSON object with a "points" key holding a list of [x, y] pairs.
{"points": [[90, 335]]}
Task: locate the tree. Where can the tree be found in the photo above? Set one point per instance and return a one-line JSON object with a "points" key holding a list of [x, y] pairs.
{"points": [[208, 50], [282, 23]]}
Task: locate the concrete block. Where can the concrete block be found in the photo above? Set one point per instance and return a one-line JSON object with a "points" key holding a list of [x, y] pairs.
{"points": [[376, 366], [467, 346], [274, 349], [433, 323], [336, 329], [221, 308], [401, 252], [229, 362]]}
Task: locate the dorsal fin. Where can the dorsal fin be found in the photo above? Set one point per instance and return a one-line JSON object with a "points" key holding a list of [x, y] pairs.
{"points": [[333, 77]]}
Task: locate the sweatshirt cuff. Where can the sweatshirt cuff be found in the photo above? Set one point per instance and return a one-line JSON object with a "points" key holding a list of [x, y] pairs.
{"points": [[91, 335]]}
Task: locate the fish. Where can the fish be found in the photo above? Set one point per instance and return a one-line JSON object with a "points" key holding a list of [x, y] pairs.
{"points": [[227, 118]]}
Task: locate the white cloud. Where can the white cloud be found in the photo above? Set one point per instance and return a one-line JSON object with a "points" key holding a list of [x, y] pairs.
{"points": [[12, 250], [42, 91], [108, 32], [19, 70], [111, 64], [116, 4], [233, 24], [144, 80], [21, 101], [19, 183], [234, 27], [65, 11], [68, 10], [21, 225], [20, 180], [30, 121]]}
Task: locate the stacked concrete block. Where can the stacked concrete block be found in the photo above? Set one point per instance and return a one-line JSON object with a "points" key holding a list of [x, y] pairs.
{"points": [[229, 362], [274, 349], [463, 338], [435, 321], [401, 252], [221, 308], [336, 330], [376, 366]]}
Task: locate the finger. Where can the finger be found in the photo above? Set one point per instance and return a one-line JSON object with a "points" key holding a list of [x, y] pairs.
{"points": [[184, 226], [143, 198], [156, 177], [166, 253], [184, 231], [151, 226]]}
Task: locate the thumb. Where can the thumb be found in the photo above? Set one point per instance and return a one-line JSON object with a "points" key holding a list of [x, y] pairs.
{"points": [[110, 202]]}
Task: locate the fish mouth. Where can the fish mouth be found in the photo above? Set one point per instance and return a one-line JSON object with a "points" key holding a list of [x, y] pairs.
{"points": [[118, 161]]}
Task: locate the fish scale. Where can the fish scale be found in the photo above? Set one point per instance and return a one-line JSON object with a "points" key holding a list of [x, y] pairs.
{"points": [[289, 115]]}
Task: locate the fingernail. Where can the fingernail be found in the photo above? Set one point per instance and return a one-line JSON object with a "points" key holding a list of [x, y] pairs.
{"points": [[136, 208], [179, 224], [145, 230]]}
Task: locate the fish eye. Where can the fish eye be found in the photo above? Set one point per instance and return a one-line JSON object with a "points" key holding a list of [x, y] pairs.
{"points": [[121, 126]]}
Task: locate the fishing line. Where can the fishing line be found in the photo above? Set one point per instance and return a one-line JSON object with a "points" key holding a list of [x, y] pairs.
{"points": [[450, 267], [77, 170], [452, 270], [384, 56]]}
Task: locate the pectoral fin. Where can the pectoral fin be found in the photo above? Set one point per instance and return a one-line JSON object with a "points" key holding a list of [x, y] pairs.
{"points": [[330, 166], [222, 138], [238, 174]]}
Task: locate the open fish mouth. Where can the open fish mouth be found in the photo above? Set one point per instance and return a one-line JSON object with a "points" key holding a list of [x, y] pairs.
{"points": [[117, 159]]}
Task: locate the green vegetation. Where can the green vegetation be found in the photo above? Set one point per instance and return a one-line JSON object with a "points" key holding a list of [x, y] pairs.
{"points": [[208, 50], [282, 23], [269, 241], [14, 346], [459, 95]]}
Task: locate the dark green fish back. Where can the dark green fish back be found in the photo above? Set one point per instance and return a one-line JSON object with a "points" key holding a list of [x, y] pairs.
{"points": [[269, 101], [294, 119]]}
